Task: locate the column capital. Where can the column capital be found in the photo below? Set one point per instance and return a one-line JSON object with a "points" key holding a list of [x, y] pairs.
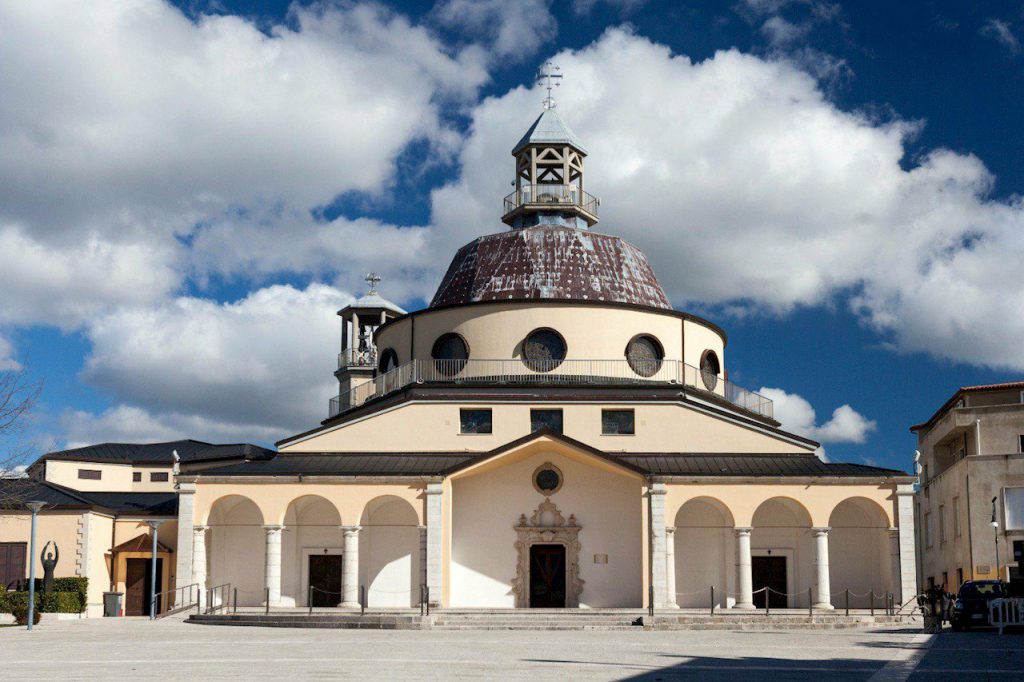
{"points": [[742, 530], [670, 530], [185, 488], [894, 532], [821, 530], [434, 489], [199, 530], [656, 488], [273, 529], [350, 530]]}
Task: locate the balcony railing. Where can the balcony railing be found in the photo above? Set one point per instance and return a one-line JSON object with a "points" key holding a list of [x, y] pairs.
{"points": [[354, 357], [551, 373], [555, 196]]}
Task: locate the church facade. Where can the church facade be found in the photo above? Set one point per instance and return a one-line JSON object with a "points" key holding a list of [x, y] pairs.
{"points": [[547, 432]]}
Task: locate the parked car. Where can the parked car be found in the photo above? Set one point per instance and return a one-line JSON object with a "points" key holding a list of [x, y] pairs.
{"points": [[971, 605]]}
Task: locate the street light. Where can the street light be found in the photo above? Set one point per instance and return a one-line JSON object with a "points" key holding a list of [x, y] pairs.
{"points": [[34, 506], [155, 525], [995, 533]]}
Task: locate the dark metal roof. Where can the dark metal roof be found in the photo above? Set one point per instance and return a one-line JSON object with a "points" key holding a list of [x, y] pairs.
{"points": [[158, 453], [14, 492], [711, 464], [346, 464], [550, 262]]}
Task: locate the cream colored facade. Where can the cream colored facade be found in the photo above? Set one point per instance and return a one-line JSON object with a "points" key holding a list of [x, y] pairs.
{"points": [[969, 452]]}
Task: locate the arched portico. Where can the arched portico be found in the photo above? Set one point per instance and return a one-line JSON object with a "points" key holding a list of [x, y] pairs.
{"points": [[311, 547], [704, 552], [861, 551], [390, 552], [782, 553], [234, 543]]}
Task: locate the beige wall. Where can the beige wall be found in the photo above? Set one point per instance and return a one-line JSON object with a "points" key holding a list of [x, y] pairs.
{"points": [[497, 331], [113, 477], [435, 426]]}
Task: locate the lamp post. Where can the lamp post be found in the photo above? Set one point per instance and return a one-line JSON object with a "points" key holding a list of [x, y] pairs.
{"points": [[33, 506], [155, 525], [995, 533]]}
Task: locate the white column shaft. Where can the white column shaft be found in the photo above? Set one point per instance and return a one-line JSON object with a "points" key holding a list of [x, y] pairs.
{"points": [[435, 529], [906, 586], [744, 576], [350, 568], [198, 567], [183, 574], [273, 564], [823, 598], [656, 517], [672, 600]]}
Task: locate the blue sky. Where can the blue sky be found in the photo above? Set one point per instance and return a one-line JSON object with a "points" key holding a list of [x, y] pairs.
{"points": [[193, 189]]}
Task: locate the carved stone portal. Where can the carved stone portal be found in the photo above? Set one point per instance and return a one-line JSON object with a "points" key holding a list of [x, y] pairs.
{"points": [[547, 526]]}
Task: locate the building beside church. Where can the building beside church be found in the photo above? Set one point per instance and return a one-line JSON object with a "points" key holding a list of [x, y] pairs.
{"points": [[971, 459], [548, 432]]}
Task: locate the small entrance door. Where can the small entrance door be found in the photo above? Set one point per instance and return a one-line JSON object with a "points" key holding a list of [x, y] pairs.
{"points": [[325, 579], [137, 585], [769, 571], [547, 576]]}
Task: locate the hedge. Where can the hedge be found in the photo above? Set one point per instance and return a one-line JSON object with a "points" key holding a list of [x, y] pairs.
{"points": [[46, 602]]}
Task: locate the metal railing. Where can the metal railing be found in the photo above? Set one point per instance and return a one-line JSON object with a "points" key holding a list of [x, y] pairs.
{"points": [[217, 598], [355, 357], [551, 373], [551, 195], [179, 599]]}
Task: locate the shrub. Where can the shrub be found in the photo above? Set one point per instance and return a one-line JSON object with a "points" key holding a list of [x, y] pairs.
{"points": [[20, 613], [60, 602]]}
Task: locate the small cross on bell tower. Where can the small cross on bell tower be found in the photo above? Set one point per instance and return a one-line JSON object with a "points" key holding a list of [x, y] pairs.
{"points": [[549, 170]]}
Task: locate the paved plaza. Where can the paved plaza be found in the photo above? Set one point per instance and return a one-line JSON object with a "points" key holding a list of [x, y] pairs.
{"points": [[167, 650]]}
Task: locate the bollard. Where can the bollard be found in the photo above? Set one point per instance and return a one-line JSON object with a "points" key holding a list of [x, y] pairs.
{"points": [[428, 599], [266, 592], [712, 600], [234, 603], [650, 601], [309, 600], [810, 604], [362, 600], [847, 601], [871, 596], [767, 603]]}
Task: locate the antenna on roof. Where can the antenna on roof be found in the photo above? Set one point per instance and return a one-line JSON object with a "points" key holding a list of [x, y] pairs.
{"points": [[549, 71]]}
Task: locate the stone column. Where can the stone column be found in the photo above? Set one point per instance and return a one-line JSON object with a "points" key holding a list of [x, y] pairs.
{"points": [[435, 528], [423, 557], [350, 567], [183, 574], [273, 564], [656, 519], [671, 600], [907, 584], [822, 582], [197, 570], [894, 561], [744, 576]]}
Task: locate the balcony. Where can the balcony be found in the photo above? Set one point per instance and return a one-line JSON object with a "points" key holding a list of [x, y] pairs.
{"points": [[354, 357], [551, 373], [555, 197]]}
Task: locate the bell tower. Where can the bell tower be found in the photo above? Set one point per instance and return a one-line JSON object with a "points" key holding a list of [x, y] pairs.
{"points": [[549, 171]]}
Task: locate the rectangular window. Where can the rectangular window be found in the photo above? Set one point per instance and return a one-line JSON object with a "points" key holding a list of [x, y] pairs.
{"points": [[90, 474], [546, 419], [158, 477], [475, 421], [1021, 443], [959, 577], [1013, 508], [942, 524], [945, 580], [956, 517], [928, 529], [12, 564], [136, 476], [617, 423]]}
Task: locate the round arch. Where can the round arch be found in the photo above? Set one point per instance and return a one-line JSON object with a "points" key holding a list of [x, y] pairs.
{"points": [[860, 554], [390, 565], [312, 527], [782, 552], [236, 546], [704, 552]]}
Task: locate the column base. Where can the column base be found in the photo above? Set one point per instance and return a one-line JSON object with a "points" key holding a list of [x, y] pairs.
{"points": [[349, 605], [744, 607], [824, 607], [669, 605]]}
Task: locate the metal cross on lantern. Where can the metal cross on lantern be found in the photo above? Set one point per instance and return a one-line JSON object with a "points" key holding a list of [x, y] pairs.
{"points": [[548, 72], [373, 279]]}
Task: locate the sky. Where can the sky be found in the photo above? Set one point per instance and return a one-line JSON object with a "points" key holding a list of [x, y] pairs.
{"points": [[190, 191]]}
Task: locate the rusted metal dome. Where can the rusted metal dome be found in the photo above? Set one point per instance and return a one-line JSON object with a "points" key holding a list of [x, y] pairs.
{"points": [[550, 262]]}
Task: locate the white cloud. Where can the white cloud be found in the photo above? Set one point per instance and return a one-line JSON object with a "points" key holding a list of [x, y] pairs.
{"points": [[623, 6], [512, 31], [138, 124], [8, 361], [261, 365], [779, 31], [1000, 31], [797, 415], [749, 189]]}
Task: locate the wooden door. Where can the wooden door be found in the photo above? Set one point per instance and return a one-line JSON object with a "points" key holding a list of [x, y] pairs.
{"points": [[12, 564], [325, 578], [137, 578], [770, 571], [547, 576]]}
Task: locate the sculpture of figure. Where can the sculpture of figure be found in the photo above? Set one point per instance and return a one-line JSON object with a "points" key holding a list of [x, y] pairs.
{"points": [[49, 562]]}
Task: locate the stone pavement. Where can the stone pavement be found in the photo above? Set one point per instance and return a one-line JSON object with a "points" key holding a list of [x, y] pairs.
{"points": [[105, 649]]}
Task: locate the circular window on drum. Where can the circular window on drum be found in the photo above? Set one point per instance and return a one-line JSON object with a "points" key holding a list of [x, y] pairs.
{"points": [[710, 368], [388, 361], [644, 355], [450, 353], [547, 479], [543, 350]]}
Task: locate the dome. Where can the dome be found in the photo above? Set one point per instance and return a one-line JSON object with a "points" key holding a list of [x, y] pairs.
{"points": [[550, 262]]}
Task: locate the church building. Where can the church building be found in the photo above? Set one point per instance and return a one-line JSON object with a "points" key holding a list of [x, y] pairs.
{"points": [[548, 432]]}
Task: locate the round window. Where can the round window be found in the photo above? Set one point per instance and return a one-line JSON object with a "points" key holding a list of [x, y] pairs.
{"points": [[450, 353], [547, 479], [710, 368], [543, 350], [388, 361], [644, 355]]}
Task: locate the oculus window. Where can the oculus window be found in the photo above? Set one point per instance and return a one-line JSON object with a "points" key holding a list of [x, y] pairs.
{"points": [[450, 353], [617, 423], [710, 368], [475, 421], [644, 355], [543, 350], [547, 479], [546, 419]]}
